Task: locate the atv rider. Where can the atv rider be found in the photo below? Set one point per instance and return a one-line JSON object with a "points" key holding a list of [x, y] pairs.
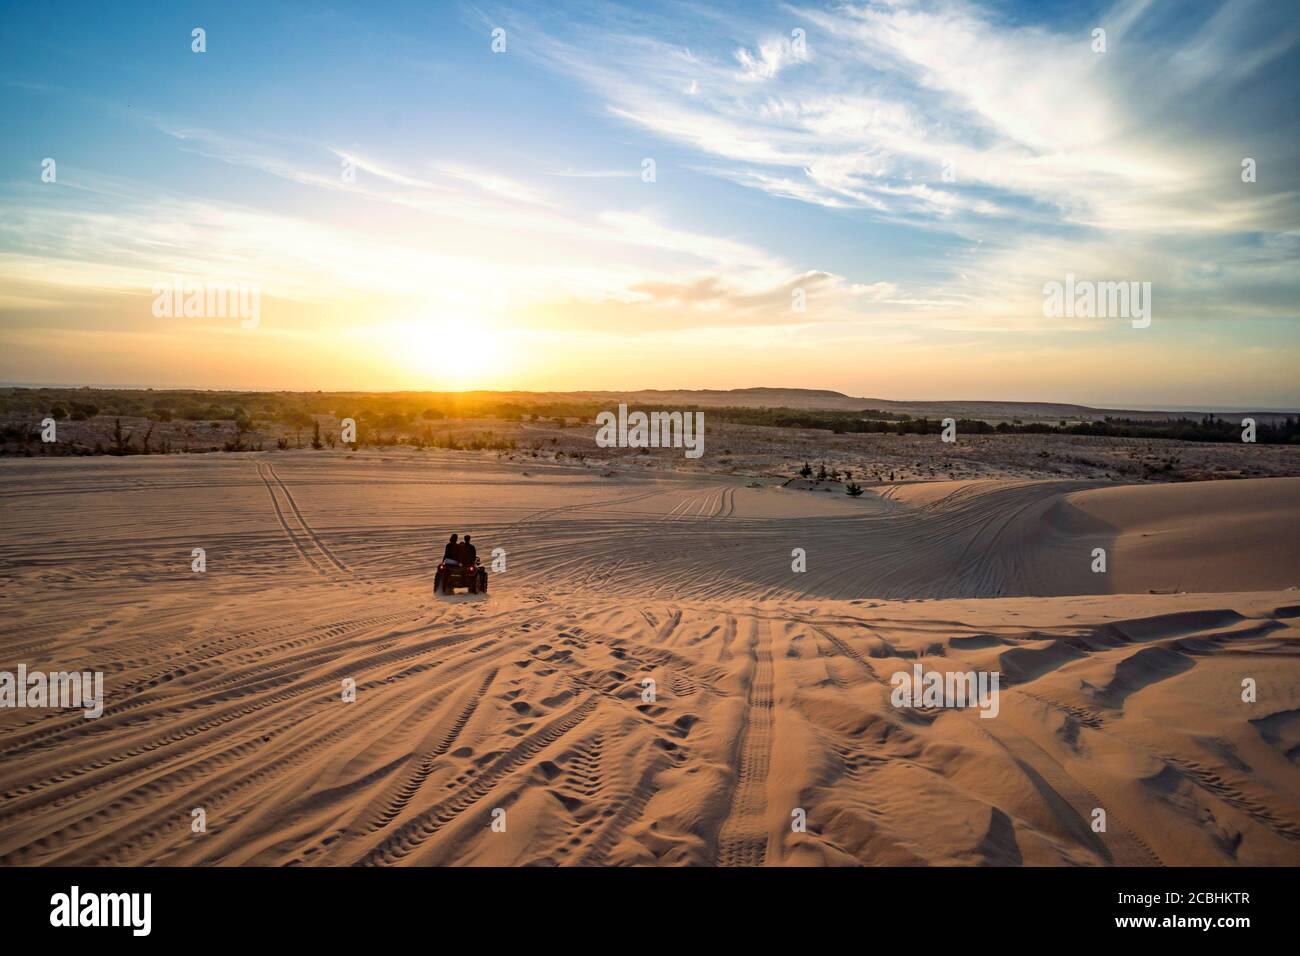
{"points": [[471, 557], [451, 553]]}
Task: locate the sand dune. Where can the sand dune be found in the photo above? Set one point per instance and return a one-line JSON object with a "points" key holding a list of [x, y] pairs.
{"points": [[772, 694], [1203, 536]]}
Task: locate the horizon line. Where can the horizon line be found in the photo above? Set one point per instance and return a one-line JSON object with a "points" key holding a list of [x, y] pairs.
{"points": [[1135, 407]]}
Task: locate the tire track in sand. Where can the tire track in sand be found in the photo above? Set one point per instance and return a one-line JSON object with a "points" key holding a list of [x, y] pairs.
{"points": [[319, 556], [742, 839], [393, 809], [415, 832]]}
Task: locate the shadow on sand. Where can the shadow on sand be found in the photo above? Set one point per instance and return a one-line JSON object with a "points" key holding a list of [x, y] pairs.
{"points": [[457, 598]]}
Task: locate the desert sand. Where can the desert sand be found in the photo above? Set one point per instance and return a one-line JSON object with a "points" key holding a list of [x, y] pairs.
{"points": [[1121, 691]]}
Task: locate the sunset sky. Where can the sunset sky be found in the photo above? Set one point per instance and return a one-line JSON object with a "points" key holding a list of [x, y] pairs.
{"points": [[499, 231]]}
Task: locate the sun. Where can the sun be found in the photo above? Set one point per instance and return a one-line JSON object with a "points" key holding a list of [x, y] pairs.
{"points": [[453, 352]]}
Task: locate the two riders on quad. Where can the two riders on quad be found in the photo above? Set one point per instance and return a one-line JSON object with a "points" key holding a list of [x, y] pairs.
{"points": [[460, 568]]}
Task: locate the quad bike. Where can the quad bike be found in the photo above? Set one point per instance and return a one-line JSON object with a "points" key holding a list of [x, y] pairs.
{"points": [[448, 577]]}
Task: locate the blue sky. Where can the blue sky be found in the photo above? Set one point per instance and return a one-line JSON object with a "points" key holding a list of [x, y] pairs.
{"points": [[799, 150]]}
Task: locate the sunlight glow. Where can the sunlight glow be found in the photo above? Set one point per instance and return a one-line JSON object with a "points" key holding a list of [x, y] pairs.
{"points": [[462, 351]]}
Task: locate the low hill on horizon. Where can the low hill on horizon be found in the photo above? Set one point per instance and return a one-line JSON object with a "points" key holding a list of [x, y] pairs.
{"points": [[805, 399]]}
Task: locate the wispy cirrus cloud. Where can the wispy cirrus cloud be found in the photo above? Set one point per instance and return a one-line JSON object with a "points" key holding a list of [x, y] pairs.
{"points": [[1023, 119], [1038, 152], [522, 255]]}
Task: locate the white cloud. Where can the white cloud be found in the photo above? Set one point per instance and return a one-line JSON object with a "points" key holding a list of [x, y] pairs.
{"points": [[1039, 154], [1030, 120], [770, 59]]}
